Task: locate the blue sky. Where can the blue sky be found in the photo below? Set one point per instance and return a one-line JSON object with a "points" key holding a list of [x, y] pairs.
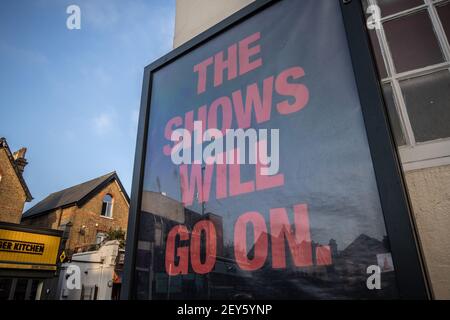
{"points": [[72, 96]]}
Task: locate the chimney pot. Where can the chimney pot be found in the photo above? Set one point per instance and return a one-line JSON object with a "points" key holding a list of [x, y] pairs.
{"points": [[19, 159]]}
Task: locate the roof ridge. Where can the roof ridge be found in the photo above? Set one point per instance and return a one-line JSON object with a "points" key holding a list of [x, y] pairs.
{"points": [[69, 196], [79, 184]]}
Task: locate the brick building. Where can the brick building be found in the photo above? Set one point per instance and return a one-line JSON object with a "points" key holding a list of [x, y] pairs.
{"points": [[93, 208], [13, 189]]}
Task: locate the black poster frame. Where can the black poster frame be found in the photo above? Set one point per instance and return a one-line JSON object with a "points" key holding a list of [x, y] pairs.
{"points": [[412, 279]]}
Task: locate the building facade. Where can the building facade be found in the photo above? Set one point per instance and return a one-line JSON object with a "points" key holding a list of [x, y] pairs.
{"points": [[13, 188], [28, 255], [91, 209], [28, 259], [413, 56]]}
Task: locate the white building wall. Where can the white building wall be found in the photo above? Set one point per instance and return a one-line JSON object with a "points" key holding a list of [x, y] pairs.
{"points": [[96, 269], [195, 16]]}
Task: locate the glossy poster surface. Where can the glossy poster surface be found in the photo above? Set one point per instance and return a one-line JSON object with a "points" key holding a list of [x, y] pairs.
{"points": [[259, 182]]}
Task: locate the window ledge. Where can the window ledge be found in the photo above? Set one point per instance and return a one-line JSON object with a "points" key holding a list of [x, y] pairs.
{"points": [[105, 217], [425, 155]]}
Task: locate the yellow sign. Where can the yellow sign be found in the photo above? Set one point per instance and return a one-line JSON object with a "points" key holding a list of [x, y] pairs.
{"points": [[62, 257], [28, 250], [27, 266]]}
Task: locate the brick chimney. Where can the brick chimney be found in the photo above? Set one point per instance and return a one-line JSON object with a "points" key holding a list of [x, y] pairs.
{"points": [[19, 159]]}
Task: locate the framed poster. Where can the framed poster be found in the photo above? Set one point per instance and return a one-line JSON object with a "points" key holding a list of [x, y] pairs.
{"points": [[265, 166]]}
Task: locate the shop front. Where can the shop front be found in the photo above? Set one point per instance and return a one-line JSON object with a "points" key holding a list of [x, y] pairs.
{"points": [[28, 257]]}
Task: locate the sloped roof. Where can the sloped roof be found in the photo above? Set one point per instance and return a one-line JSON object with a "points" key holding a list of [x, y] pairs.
{"points": [[4, 144], [364, 244], [76, 195]]}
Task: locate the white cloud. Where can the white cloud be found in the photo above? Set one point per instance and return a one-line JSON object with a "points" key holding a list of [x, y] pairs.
{"points": [[103, 123]]}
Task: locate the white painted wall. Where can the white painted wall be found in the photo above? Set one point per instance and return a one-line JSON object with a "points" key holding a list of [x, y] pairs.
{"points": [[429, 190], [97, 269], [195, 16]]}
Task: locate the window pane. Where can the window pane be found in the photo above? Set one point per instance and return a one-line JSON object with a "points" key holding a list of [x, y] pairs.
{"points": [[393, 115], [5, 287], [378, 56], [109, 210], [389, 7], [21, 288], [34, 287], [428, 102], [444, 14], [413, 42]]}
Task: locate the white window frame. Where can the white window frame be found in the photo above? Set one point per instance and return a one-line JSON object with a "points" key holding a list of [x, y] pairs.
{"points": [[109, 207], [416, 155]]}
